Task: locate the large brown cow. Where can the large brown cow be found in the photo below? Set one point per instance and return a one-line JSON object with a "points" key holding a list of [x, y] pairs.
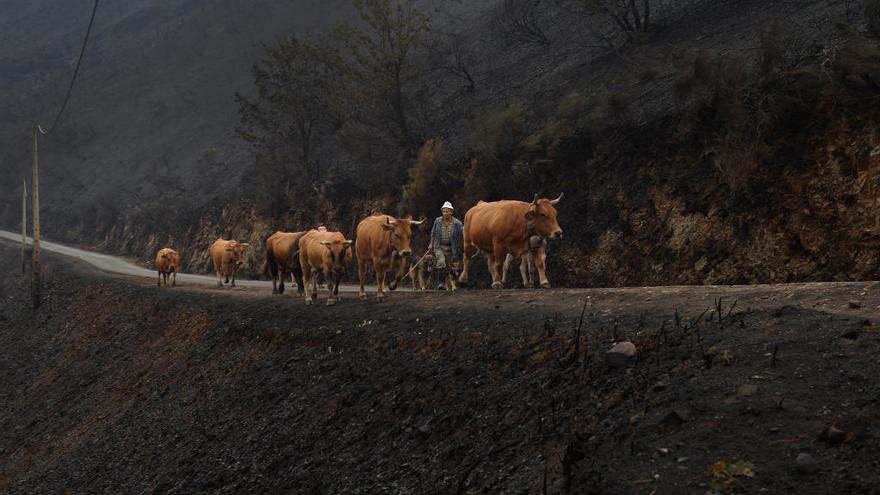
{"points": [[381, 241], [282, 255], [227, 257], [503, 227], [167, 262], [328, 252]]}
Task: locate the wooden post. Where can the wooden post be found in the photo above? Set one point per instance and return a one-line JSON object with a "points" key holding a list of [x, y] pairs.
{"points": [[23, 225], [35, 262]]}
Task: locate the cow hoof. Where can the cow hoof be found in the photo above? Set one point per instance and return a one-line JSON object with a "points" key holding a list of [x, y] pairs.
{"points": [[392, 286], [380, 297], [362, 296], [545, 285], [497, 285], [331, 302], [309, 302]]}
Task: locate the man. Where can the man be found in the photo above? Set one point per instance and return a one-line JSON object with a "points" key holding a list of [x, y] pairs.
{"points": [[446, 244]]}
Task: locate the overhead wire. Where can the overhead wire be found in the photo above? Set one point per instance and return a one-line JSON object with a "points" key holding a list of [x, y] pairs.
{"points": [[75, 72]]}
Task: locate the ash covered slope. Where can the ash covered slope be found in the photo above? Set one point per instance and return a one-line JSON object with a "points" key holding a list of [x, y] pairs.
{"points": [[113, 387], [154, 91]]}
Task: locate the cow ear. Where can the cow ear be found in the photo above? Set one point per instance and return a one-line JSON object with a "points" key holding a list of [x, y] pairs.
{"points": [[530, 215], [387, 226]]}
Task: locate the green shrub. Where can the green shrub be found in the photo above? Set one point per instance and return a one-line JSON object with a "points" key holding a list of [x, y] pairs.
{"points": [[497, 133]]}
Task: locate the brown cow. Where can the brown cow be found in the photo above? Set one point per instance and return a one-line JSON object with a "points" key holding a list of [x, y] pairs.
{"points": [[282, 255], [167, 261], [227, 257], [527, 262], [328, 252], [503, 227], [383, 241]]}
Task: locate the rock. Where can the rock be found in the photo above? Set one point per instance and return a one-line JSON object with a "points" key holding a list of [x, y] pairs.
{"points": [[675, 417], [746, 390], [805, 463], [833, 435], [663, 451], [621, 354], [853, 304]]}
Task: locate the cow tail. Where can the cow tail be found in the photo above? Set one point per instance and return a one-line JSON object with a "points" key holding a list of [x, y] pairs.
{"points": [[270, 268]]}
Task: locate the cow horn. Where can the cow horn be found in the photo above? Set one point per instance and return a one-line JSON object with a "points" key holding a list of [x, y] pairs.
{"points": [[244, 244], [391, 221], [413, 222], [535, 200], [326, 243], [347, 243], [557, 199]]}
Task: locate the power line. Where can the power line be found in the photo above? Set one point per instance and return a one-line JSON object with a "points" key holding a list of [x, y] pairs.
{"points": [[75, 71]]}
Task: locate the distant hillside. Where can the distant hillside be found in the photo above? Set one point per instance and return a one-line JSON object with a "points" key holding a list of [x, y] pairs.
{"points": [[155, 90]]}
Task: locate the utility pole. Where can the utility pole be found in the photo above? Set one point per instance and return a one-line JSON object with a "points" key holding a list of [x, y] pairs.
{"points": [[23, 225], [35, 263]]}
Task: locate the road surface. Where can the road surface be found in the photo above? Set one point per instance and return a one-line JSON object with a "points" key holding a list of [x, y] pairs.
{"points": [[119, 266]]}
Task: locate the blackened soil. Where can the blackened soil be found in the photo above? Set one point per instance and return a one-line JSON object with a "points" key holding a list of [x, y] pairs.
{"points": [[116, 386]]}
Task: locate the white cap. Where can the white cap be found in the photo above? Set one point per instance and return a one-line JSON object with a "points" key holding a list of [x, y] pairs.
{"points": [[447, 205]]}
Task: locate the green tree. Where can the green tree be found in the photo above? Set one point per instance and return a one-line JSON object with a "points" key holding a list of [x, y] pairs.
{"points": [[377, 62], [289, 114]]}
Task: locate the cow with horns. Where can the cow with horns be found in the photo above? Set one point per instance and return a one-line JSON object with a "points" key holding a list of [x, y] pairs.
{"points": [[505, 227]]}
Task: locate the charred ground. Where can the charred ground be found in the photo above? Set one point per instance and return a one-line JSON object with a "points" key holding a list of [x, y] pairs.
{"points": [[115, 386]]}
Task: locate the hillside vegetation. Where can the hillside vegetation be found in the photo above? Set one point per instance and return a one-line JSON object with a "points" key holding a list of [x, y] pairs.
{"points": [[696, 142]]}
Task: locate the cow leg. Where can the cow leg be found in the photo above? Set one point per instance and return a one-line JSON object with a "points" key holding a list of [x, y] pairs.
{"points": [[336, 281], [539, 257], [507, 261], [378, 269], [219, 279], [315, 284], [329, 280], [174, 279], [524, 264], [233, 277], [273, 272], [159, 283], [296, 276], [362, 275], [466, 259], [496, 263], [307, 282]]}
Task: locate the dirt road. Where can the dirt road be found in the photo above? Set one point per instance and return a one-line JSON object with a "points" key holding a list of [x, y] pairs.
{"points": [[119, 266]]}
